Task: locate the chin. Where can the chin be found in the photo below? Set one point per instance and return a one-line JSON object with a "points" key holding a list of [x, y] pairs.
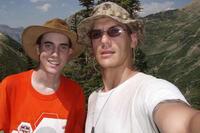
{"points": [[53, 71], [106, 65]]}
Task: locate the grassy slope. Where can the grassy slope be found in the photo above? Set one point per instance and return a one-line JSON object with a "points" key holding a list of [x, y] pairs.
{"points": [[172, 48], [11, 58]]}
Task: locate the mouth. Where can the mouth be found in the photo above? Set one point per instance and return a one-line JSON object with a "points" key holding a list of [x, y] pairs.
{"points": [[107, 53], [53, 62]]}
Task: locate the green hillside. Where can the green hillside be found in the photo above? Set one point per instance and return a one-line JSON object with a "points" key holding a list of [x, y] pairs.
{"points": [[172, 48], [11, 58]]}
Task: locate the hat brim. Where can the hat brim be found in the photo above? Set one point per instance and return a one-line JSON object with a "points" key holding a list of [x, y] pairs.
{"points": [[86, 26], [31, 34]]}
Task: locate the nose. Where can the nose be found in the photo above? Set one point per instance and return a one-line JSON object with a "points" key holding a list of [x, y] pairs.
{"points": [[55, 51], [105, 40]]}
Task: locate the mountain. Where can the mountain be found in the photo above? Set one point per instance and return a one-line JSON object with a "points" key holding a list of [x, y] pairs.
{"points": [[14, 33], [12, 59], [193, 7], [172, 48]]}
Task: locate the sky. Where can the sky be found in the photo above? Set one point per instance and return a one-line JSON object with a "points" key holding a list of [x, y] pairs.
{"points": [[22, 13]]}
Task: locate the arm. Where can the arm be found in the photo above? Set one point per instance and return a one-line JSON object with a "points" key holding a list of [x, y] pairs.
{"points": [[80, 114], [176, 117], [194, 125], [4, 117]]}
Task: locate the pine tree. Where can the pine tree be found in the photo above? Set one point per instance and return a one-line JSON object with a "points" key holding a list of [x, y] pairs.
{"points": [[87, 3]]}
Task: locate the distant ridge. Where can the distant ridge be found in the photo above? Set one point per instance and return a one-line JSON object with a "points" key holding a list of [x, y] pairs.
{"points": [[14, 33], [193, 7], [12, 59]]}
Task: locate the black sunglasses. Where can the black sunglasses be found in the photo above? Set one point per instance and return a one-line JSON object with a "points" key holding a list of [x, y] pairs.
{"points": [[113, 31]]}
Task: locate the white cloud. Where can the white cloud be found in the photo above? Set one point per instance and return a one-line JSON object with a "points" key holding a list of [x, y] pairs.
{"points": [[155, 7], [34, 1], [63, 4], [45, 7], [12, 2], [3, 10], [3, 6]]}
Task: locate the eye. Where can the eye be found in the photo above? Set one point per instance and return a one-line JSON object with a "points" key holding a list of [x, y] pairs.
{"points": [[64, 47], [47, 46], [114, 31], [95, 34]]}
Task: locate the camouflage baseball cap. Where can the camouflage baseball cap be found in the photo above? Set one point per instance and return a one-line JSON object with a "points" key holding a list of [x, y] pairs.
{"points": [[111, 10]]}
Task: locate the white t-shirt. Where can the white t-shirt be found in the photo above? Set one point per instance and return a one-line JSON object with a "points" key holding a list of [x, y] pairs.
{"points": [[128, 108]]}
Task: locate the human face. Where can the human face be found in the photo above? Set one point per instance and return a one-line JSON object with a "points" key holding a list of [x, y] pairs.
{"points": [[112, 51], [54, 52]]}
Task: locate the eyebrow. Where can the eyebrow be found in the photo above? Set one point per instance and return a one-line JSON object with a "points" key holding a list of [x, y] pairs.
{"points": [[48, 42], [65, 44], [116, 25], [60, 43]]}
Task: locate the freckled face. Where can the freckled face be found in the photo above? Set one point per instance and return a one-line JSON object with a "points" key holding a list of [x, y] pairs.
{"points": [[54, 52], [112, 52]]}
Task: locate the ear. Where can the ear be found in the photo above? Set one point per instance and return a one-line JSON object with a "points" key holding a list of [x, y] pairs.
{"points": [[92, 51], [70, 52], [38, 50], [134, 40]]}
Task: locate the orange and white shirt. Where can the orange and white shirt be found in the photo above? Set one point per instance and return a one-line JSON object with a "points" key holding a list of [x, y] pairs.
{"points": [[23, 109]]}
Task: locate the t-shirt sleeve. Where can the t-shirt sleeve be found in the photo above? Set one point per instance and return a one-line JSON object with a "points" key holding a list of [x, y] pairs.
{"points": [[158, 91], [80, 114], [4, 112], [91, 105]]}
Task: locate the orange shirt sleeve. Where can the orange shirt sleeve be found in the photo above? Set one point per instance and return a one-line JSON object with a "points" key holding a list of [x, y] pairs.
{"points": [[4, 113], [80, 113]]}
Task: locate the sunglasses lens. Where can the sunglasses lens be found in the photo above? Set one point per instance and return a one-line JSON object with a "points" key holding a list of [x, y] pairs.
{"points": [[114, 31], [95, 34]]}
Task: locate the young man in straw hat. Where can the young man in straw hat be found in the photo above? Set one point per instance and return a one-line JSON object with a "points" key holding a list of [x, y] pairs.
{"points": [[130, 101], [42, 100]]}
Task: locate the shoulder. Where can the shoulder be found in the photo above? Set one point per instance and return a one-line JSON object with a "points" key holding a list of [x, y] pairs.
{"points": [[151, 80], [155, 91], [16, 78], [68, 81], [71, 85], [93, 96], [92, 100], [15, 83], [151, 84], [161, 89]]}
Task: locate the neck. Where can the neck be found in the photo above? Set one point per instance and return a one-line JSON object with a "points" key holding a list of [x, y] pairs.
{"points": [[44, 82], [112, 77]]}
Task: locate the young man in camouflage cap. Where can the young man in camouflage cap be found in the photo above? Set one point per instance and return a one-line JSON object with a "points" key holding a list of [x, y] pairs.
{"points": [[130, 101]]}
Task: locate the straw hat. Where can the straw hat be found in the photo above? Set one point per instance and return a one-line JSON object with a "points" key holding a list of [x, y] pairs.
{"points": [[111, 10], [31, 34]]}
